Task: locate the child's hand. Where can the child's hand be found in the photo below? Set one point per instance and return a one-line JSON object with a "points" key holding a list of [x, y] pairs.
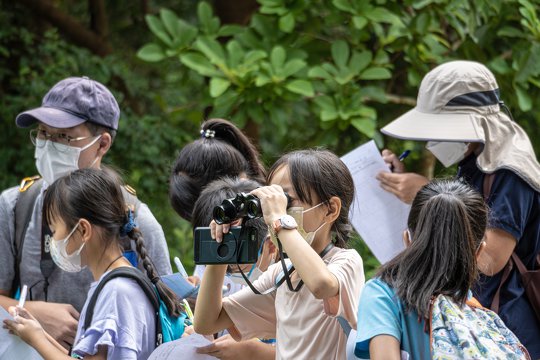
{"points": [[24, 325], [273, 202]]}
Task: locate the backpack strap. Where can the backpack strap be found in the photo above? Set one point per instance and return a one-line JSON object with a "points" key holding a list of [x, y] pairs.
{"points": [[344, 325], [28, 192], [144, 283]]}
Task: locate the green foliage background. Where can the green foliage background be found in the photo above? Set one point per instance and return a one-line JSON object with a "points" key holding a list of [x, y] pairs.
{"points": [[298, 74]]}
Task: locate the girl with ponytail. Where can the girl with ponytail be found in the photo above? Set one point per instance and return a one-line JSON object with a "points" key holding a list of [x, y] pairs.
{"points": [[222, 150], [87, 214], [445, 234]]}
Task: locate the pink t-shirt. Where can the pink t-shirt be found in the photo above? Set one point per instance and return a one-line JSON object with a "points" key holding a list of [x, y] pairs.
{"points": [[304, 327]]}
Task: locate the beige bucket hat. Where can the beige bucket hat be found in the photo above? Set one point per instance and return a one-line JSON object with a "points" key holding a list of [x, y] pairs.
{"points": [[459, 101]]}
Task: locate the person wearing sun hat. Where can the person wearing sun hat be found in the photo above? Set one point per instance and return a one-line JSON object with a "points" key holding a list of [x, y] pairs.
{"points": [[73, 128], [460, 114]]}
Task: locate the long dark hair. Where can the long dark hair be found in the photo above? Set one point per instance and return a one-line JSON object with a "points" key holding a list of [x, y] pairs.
{"points": [[447, 223], [96, 195], [222, 150], [321, 173]]}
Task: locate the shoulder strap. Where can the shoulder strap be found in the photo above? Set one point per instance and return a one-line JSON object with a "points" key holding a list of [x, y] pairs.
{"points": [[28, 193], [486, 186], [344, 325], [144, 283]]}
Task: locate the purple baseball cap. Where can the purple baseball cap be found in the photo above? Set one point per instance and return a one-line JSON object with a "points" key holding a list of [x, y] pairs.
{"points": [[72, 102]]}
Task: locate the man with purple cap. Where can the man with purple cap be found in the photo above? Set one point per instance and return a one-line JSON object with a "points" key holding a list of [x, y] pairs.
{"points": [[74, 128], [460, 115]]}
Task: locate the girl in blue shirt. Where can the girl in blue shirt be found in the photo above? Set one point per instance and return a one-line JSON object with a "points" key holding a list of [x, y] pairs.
{"points": [[445, 234]]}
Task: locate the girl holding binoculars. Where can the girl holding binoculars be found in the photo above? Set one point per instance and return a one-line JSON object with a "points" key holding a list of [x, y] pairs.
{"points": [[302, 314]]}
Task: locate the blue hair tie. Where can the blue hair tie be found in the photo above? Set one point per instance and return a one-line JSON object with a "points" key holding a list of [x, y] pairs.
{"points": [[129, 225]]}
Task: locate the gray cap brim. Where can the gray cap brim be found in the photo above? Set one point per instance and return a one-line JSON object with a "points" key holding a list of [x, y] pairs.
{"points": [[49, 116], [416, 125]]}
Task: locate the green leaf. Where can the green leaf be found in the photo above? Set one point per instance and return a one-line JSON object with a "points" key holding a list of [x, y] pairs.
{"points": [[376, 73], [277, 57], [359, 61], [340, 53], [151, 53], [253, 56], [325, 102], [262, 80], [212, 49], [218, 86], [157, 28], [204, 13], [200, 64], [344, 5], [301, 87], [319, 72], [359, 22], [524, 100], [235, 52], [170, 21], [230, 30], [328, 115], [286, 23], [366, 126], [292, 67]]}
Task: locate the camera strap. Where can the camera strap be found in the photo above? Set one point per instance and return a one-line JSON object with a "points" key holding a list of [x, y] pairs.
{"points": [[285, 275]]}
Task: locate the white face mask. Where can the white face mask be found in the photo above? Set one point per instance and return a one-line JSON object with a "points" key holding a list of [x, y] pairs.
{"points": [[448, 153], [52, 163], [69, 263], [298, 214]]}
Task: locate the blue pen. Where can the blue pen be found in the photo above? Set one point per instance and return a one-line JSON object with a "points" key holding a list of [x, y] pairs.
{"points": [[404, 155]]}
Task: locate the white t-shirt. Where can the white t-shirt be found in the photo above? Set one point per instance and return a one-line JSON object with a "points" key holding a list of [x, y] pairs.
{"points": [[304, 327], [124, 321]]}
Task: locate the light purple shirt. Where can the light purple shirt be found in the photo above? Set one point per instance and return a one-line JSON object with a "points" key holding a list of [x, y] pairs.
{"points": [[124, 321]]}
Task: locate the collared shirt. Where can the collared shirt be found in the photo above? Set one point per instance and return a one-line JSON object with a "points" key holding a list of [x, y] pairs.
{"points": [[64, 287], [515, 208]]}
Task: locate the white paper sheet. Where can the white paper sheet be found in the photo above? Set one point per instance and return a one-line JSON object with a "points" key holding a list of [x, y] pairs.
{"points": [[378, 216], [184, 348], [11, 346]]}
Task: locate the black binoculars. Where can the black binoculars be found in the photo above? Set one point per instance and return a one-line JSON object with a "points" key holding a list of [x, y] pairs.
{"points": [[243, 205]]}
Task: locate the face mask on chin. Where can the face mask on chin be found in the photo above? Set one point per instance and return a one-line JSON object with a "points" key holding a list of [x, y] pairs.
{"points": [[448, 153], [56, 160], [68, 263]]}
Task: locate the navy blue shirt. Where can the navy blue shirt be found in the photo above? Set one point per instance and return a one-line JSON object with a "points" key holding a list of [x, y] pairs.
{"points": [[515, 208]]}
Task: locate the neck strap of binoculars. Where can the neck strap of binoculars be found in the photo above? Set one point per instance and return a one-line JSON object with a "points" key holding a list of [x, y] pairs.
{"points": [[286, 271]]}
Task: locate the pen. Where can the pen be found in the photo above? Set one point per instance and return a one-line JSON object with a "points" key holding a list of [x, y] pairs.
{"points": [[404, 155], [188, 310], [180, 267], [22, 298]]}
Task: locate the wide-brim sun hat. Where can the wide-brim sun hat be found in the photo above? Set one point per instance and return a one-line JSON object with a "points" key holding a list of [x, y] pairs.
{"points": [[449, 98]]}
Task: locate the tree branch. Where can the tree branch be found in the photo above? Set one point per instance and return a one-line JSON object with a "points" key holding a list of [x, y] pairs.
{"points": [[98, 18], [72, 28]]}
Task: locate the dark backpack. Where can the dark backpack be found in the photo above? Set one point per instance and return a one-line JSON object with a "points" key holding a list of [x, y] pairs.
{"points": [[168, 328], [29, 190]]}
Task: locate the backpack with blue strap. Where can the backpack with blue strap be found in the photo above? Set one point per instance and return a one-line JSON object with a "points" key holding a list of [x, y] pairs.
{"points": [[168, 328]]}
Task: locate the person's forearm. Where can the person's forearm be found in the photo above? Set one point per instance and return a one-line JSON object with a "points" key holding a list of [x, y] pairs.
{"points": [[56, 343], [209, 302], [6, 302], [260, 350], [48, 350], [311, 268]]}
